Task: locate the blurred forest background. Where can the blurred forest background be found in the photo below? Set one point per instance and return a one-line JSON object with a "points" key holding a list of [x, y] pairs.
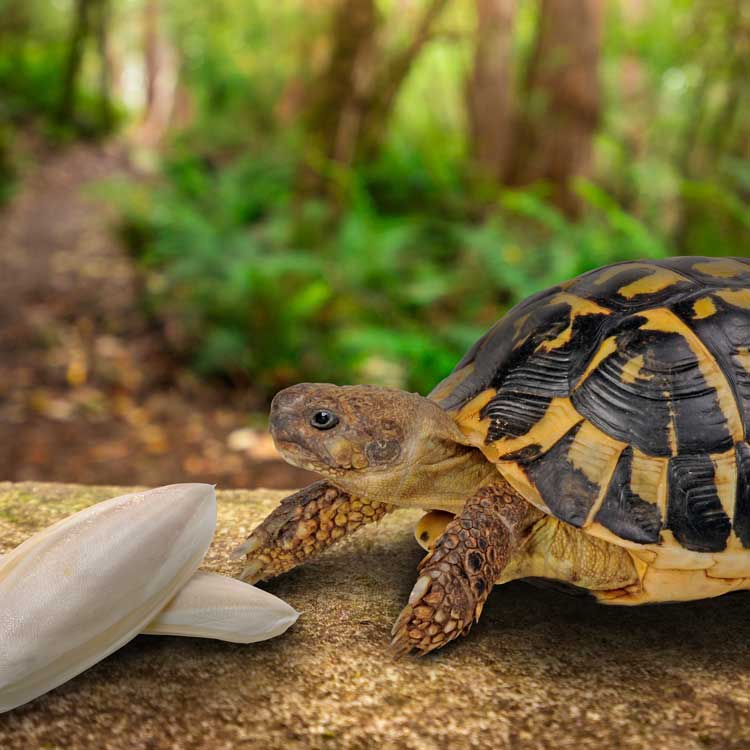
{"points": [[206, 202]]}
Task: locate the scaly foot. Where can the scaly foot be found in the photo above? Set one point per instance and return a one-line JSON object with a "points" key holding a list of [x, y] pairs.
{"points": [[305, 524], [457, 575]]}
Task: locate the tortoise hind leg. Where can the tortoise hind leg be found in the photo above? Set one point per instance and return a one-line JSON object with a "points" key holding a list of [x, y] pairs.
{"points": [[561, 552], [305, 524]]}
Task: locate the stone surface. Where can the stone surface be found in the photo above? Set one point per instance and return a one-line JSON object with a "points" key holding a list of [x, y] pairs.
{"points": [[541, 670]]}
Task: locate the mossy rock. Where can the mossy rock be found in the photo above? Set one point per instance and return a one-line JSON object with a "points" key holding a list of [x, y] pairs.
{"points": [[541, 669]]}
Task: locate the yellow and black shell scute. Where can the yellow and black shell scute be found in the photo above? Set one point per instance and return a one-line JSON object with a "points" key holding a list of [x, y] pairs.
{"points": [[620, 401]]}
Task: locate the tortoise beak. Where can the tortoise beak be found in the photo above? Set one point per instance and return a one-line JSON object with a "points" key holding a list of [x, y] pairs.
{"points": [[288, 426], [284, 429], [286, 412]]}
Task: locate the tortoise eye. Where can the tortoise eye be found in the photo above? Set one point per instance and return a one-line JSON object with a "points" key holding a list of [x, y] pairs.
{"points": [[324, 420]]}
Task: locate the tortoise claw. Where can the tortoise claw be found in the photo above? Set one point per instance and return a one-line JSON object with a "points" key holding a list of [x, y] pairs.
{"points": [[251, 544], [456, 576], [429, 620], [282, 541]]}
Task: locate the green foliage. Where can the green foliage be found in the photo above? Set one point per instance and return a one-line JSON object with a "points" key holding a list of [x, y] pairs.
{"points": [[30, 80], [272, 293], [673, 147], [399, 262], [33, 54]]}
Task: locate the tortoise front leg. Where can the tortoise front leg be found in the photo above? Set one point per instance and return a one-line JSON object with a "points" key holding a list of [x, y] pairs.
{"points": [[458, 573], [305, 524]]}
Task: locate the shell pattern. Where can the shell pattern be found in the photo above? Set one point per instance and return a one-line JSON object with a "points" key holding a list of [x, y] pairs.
{"points": [[619, 401]]}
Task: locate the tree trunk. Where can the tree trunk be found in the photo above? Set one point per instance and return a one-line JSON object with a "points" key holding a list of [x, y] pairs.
{"points": [[150, 51], [161, 75], [554, 133], [335, 113], [388, 83], [351, 104], [101, 31], [490, 89], [79, 33]]}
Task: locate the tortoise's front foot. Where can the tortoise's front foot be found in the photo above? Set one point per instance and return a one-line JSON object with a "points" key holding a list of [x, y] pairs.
{"points": [[457, 575], [305, 524]]}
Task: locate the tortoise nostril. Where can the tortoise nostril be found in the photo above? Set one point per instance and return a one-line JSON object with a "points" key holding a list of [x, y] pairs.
{"points": [[283, 425]]}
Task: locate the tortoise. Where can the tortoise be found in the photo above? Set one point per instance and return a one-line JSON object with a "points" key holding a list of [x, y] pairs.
{"points": [[596, 436]]}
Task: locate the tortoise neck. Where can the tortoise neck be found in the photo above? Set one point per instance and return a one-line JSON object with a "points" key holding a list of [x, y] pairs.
{"points": [[440, 480]]}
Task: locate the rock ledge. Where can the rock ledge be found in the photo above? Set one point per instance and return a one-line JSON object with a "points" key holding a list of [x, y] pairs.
{"points": [[541, 670]]}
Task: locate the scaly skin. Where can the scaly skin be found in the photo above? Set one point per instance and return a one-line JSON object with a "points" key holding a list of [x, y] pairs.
{"points": [[305, 524], [431, 527], [392, 447], [457, 575], [380, 448]]}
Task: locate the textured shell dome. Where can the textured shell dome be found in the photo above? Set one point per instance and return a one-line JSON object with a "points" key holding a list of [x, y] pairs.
{"points": [[620, 401]]}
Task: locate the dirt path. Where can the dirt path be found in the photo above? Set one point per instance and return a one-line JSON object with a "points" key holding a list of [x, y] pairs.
{"points": [[87, 393]]}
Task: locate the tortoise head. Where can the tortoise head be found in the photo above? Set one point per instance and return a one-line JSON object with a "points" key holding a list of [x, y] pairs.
{"points": [[365, 438]]}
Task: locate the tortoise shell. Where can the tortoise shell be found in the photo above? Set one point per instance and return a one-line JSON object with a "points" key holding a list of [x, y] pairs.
{"points": [[619, 402]]}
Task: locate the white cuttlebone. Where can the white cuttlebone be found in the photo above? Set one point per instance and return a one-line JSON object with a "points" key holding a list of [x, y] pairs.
{"points": [[82, 588], [210, 605]]}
